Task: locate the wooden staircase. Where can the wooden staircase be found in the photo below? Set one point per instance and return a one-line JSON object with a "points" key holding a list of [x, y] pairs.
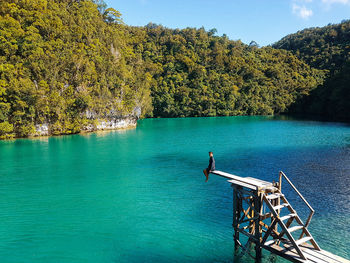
{"points": [[285, 223], [262, 213]]}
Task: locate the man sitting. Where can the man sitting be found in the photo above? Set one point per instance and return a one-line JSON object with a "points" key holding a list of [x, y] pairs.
{"points": [[211, 166]]}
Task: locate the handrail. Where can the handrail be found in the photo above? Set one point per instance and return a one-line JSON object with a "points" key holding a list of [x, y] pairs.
{"points": [[312, 211]]}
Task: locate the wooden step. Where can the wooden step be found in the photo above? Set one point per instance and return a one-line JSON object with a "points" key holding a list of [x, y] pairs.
{"points": [[278, 207], [270, 242], [295, 228], [274, 196], [287, 217], [303, 240]]}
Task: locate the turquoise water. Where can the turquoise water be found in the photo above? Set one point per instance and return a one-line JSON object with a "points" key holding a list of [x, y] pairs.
{"points": [[140, 196]]}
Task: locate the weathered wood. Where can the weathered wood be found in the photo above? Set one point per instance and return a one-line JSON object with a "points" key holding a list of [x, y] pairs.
{"points": [[312, 255], [235, 211], [250, 196], [284, 228], [287, 217], [295, 228], [278, 207], [274, 196], [269, 230], [253, 187], [303, 240], [242, 180], [257, 227]]}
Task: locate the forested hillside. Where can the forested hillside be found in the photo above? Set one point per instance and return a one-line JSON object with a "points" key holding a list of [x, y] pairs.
{"points": [[326, 48], [62, 62], [199, 74], [69, 63]]}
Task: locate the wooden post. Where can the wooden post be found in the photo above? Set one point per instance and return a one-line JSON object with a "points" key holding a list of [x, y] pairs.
{"points": [[258, 237], [236, 214], [280, 182]]}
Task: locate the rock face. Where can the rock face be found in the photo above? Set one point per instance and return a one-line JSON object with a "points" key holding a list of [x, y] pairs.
{"points": [[113, 124], [116, 124], [100, 124], [42, 129]]}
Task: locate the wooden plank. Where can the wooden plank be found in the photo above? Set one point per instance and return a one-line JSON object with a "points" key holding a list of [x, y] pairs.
{"points": [[312, 255], [295, 228], [270, 242], [287, 217], [289, 255], [274, 196], [303, 240], [242, 179], [318, 256], [323, 254], [329, 254], [312, 258], [311, 252], [237, 178], [260, 181], [278, 207], [253, 187]]}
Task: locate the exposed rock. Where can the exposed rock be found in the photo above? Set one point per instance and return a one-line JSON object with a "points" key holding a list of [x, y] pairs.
{"points": [[41, 129], [100, 124], [137, 111], [113, 124], [115, 52]]}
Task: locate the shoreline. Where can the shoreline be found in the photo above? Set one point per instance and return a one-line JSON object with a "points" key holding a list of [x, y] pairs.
{"points": [[103, 126], [131, 123]]}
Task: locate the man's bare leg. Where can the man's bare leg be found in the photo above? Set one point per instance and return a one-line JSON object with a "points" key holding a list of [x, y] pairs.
{"points": [[206, 175]]}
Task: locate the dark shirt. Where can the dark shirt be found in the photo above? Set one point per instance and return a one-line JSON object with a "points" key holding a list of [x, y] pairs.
{"points": [[211, 166]]}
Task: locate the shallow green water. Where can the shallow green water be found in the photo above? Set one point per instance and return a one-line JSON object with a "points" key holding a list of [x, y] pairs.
{"points": [[139, 195]]}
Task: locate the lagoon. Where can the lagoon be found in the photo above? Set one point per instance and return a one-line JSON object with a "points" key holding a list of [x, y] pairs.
{"points": [[139, 195]]}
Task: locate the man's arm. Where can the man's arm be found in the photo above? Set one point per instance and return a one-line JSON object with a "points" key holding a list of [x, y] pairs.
{"points": [[210, 164]]}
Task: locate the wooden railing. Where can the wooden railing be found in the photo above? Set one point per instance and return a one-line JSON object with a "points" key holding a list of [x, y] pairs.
{"points": [[312, 211]]}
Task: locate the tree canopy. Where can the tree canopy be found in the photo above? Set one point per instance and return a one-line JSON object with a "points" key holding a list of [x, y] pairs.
{"points": [[199, 74], [326, 48], [60, 59], [67, 63]]}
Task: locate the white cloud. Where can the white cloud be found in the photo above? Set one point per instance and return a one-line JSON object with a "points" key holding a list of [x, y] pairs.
{"points": [[327, 4], [301, 8], [302, 11], [330, 2]]}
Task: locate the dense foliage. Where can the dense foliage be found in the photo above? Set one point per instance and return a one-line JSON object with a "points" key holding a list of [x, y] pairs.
{"points": [[68, 63], [60, 59], [326, 48], [199, 74]]}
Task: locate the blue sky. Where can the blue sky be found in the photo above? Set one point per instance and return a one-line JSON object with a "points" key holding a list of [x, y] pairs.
{"points": [[264, 21]]}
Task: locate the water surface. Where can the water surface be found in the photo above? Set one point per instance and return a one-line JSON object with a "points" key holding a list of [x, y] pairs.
{"points": [[140, 196]]}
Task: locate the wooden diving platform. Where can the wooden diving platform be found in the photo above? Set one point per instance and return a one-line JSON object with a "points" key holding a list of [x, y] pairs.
{"points": [[263, 214], [248, 182]]}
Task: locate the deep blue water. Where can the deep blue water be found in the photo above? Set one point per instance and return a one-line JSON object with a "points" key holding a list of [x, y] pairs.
{"points": [[140, 196]]}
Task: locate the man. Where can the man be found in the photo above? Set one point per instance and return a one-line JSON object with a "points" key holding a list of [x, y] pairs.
{"points": [[211, 166]]}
